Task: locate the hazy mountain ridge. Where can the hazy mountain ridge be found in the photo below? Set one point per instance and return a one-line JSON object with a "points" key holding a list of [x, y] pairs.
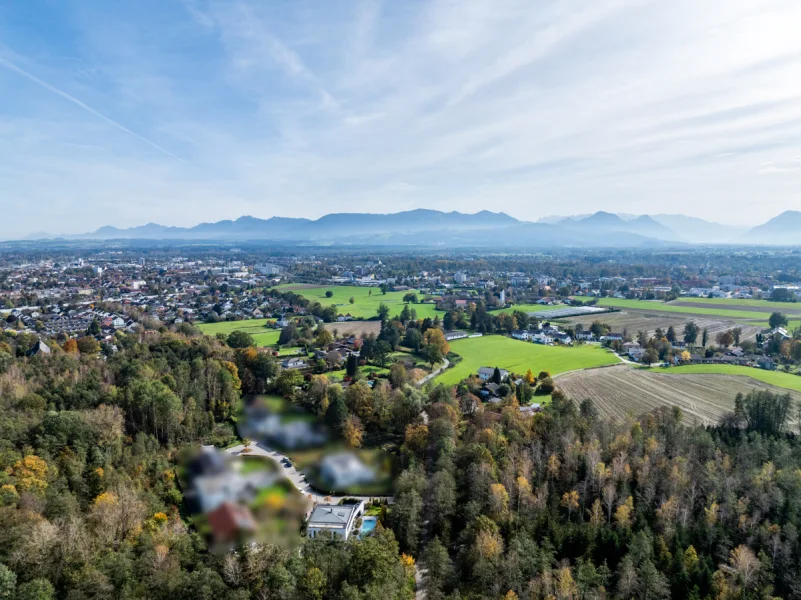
{"points": [[415, 227], [783, 229]]}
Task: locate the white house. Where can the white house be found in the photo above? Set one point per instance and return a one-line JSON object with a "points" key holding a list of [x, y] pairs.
{"points": [[521, 334], [486, 373], [455, 335], [542, 338], [293, 363], [338, 520]]}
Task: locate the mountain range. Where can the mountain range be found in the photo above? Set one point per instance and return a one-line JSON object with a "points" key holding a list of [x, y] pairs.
{"points": [[485, 228]]}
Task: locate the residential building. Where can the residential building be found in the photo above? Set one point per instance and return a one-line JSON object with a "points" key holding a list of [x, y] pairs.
{"points": [[338, 520], [487, 373]]}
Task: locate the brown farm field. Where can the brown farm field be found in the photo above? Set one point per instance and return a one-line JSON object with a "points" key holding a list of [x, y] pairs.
{"points": [[622, 390], [360, 329], [634, 320]]}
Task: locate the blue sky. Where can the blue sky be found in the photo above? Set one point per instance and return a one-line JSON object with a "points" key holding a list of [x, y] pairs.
{"points": [[182, 111]]}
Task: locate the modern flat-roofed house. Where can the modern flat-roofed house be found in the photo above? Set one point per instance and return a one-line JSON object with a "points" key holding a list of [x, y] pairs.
{"points": [[338, 520], [486, 373]]}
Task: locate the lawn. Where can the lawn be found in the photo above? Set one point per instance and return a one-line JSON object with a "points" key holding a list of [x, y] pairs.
{"points": [[262, 335], [336, 376], [365, 300], [517, 356], [777, 378]]}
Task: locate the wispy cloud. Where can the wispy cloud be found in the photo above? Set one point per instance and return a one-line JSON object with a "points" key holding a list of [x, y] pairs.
{"points": [[298, 109], [20, 71]]}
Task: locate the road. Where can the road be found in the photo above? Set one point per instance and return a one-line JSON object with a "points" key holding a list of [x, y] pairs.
{"points": [[445, 364]]}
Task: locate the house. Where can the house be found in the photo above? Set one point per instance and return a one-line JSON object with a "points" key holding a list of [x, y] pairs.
{"points": [[455, 335], [345, 469], [530, 409], [293, 363], [487, 373], [781, 332], [39, 349], [336, 520], [542, 338], [231, 522], [636, 352], [521, 334], [562, 338], [494, 389], [766, 363], [585, 336], [612, 337]]}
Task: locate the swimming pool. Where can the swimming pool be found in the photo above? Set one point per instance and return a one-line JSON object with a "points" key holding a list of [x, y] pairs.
{"points": [[368, 524]]}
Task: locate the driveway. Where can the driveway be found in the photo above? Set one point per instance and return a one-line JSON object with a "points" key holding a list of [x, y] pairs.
{"points": [[297, 478]]}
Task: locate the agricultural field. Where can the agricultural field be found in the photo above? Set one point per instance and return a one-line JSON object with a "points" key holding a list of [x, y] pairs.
{"points": [[668, 307], [749, 312], [647, 320], [779, 379], [703, 397], [518, 356], [365, 300], [360, 329], [262, 335], [750, 304]]}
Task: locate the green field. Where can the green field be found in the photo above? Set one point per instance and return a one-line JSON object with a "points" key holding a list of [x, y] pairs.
{"points": [[777, 378], [365, 300], [249, 325], [777, 306], [262, 336], [518, 356]]}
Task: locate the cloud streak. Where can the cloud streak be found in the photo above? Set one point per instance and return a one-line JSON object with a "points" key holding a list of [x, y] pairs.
{"points": [[20, 71]]}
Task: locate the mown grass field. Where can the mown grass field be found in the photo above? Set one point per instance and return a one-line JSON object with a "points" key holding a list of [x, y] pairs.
{"points": [[365, 300], [251, 326], [262, 336], [517, 356], [775, 378]]}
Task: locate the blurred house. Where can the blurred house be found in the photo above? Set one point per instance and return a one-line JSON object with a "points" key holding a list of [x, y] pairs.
{"points": [[231, 522], [345, 469]]}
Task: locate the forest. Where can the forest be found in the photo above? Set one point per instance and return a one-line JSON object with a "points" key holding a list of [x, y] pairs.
{"points": [[490, 502]]}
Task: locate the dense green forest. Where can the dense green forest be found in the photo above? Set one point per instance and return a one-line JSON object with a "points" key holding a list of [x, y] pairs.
{"points": [[491, 502]]}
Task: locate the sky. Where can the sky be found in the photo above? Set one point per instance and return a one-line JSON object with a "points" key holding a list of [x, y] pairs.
{"points": [[184, 111]]}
